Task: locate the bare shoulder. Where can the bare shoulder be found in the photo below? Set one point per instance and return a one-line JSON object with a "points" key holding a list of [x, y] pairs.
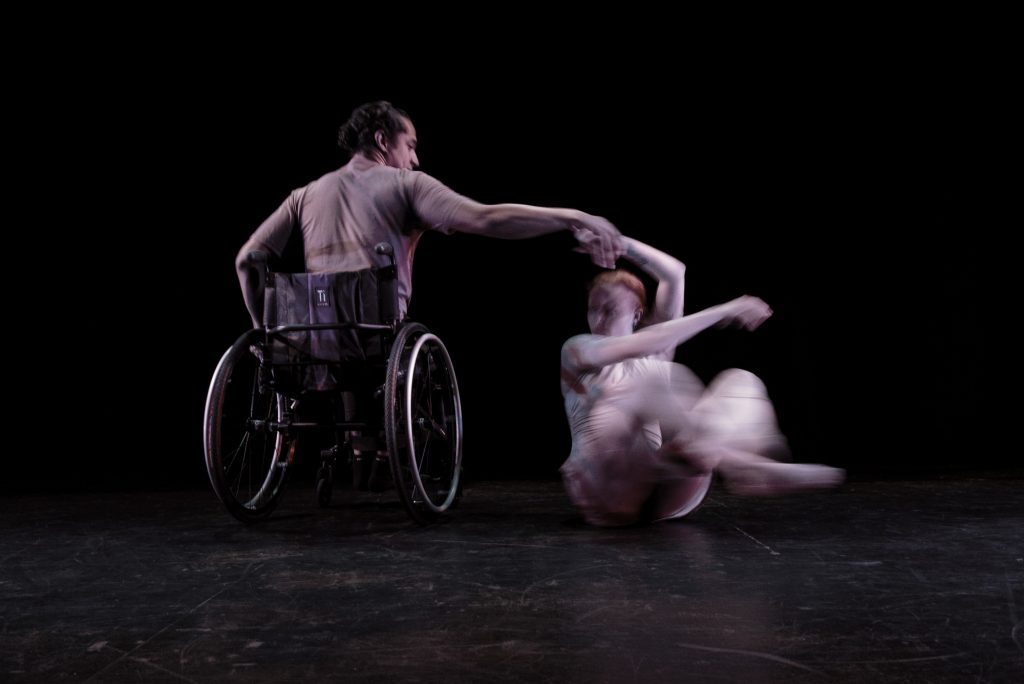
{"points": [[577, 341], [574, 349]]}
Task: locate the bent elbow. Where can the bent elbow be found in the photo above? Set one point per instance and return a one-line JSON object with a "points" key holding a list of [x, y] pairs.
{"points": [[676, 275], [241, 263], [251, 256]]}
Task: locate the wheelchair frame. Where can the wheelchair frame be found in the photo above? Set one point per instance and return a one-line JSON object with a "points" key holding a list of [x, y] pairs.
{"points": [[254, 414]]}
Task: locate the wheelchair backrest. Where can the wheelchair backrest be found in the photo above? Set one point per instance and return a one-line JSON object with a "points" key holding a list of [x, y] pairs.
{"points": [[311, 358]]}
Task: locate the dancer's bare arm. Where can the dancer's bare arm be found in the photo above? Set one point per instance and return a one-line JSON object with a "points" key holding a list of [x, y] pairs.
{"points": [[594, 351], [668, 271], [596, 235]]}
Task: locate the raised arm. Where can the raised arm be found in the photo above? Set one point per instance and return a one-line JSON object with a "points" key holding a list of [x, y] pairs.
{"points": [[668, 271], [594, 351]]}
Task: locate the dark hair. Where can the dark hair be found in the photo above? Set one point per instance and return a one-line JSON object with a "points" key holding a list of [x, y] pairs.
{"points": [[623, 278], [357, 133]]}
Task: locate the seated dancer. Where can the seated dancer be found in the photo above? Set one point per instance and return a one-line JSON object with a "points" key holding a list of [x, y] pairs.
{"points": [[646, 433]]}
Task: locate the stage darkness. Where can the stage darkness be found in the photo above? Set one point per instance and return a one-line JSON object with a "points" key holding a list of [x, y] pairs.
{"points": [[845, 203]]}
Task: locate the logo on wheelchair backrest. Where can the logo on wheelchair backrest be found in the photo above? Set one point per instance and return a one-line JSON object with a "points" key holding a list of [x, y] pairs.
{"points": [[321, 296]]}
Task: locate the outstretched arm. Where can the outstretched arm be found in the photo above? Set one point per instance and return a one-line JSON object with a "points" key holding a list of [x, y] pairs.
{"points": [[596, 235], [593, 351], [670, 274]]}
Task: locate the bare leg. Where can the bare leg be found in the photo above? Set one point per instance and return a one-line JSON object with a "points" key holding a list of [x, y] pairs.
{"points": [[736, 410], [751, 474], [731, 428]]}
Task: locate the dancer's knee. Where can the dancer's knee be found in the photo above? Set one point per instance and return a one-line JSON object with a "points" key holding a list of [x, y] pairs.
{"points": [[736, 382]]}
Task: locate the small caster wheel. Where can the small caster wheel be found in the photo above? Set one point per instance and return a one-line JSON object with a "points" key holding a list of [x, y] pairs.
{"points": [[324, 487]]}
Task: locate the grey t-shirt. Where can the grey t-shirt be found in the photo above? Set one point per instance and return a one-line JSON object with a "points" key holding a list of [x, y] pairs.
{"points": [[344, 214]]}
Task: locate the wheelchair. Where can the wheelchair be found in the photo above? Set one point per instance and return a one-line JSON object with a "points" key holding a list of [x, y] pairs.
{"points": [[333, 357]]}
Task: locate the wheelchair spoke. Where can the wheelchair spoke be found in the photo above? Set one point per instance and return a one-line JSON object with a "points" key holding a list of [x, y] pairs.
{"points": [[426, 419]]}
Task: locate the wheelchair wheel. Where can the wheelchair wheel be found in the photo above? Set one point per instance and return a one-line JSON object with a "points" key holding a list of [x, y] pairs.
{"points": [[247, 453], [423, 423]]}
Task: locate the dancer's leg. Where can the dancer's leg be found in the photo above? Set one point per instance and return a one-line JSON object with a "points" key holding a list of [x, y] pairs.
{"points": [[732, 428]]}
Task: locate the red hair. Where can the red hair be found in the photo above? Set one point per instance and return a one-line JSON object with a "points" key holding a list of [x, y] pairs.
{"points": [[623, 278]]}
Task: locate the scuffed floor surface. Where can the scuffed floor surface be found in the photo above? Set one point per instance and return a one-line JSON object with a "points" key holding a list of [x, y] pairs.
{"points": [[876, 582]]}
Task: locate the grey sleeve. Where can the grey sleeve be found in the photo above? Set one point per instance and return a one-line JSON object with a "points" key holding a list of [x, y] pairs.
{"points": [[275, 231], [433, 202]]}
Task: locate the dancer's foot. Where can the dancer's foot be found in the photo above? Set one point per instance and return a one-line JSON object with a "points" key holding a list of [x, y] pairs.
{"points": [[773, 479]]}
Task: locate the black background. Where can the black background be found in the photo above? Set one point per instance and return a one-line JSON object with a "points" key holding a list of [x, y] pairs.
{"points": [[847, 186]]}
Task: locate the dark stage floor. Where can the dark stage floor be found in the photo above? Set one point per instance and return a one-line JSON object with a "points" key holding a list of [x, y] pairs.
{"points": [[877, 582]]}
